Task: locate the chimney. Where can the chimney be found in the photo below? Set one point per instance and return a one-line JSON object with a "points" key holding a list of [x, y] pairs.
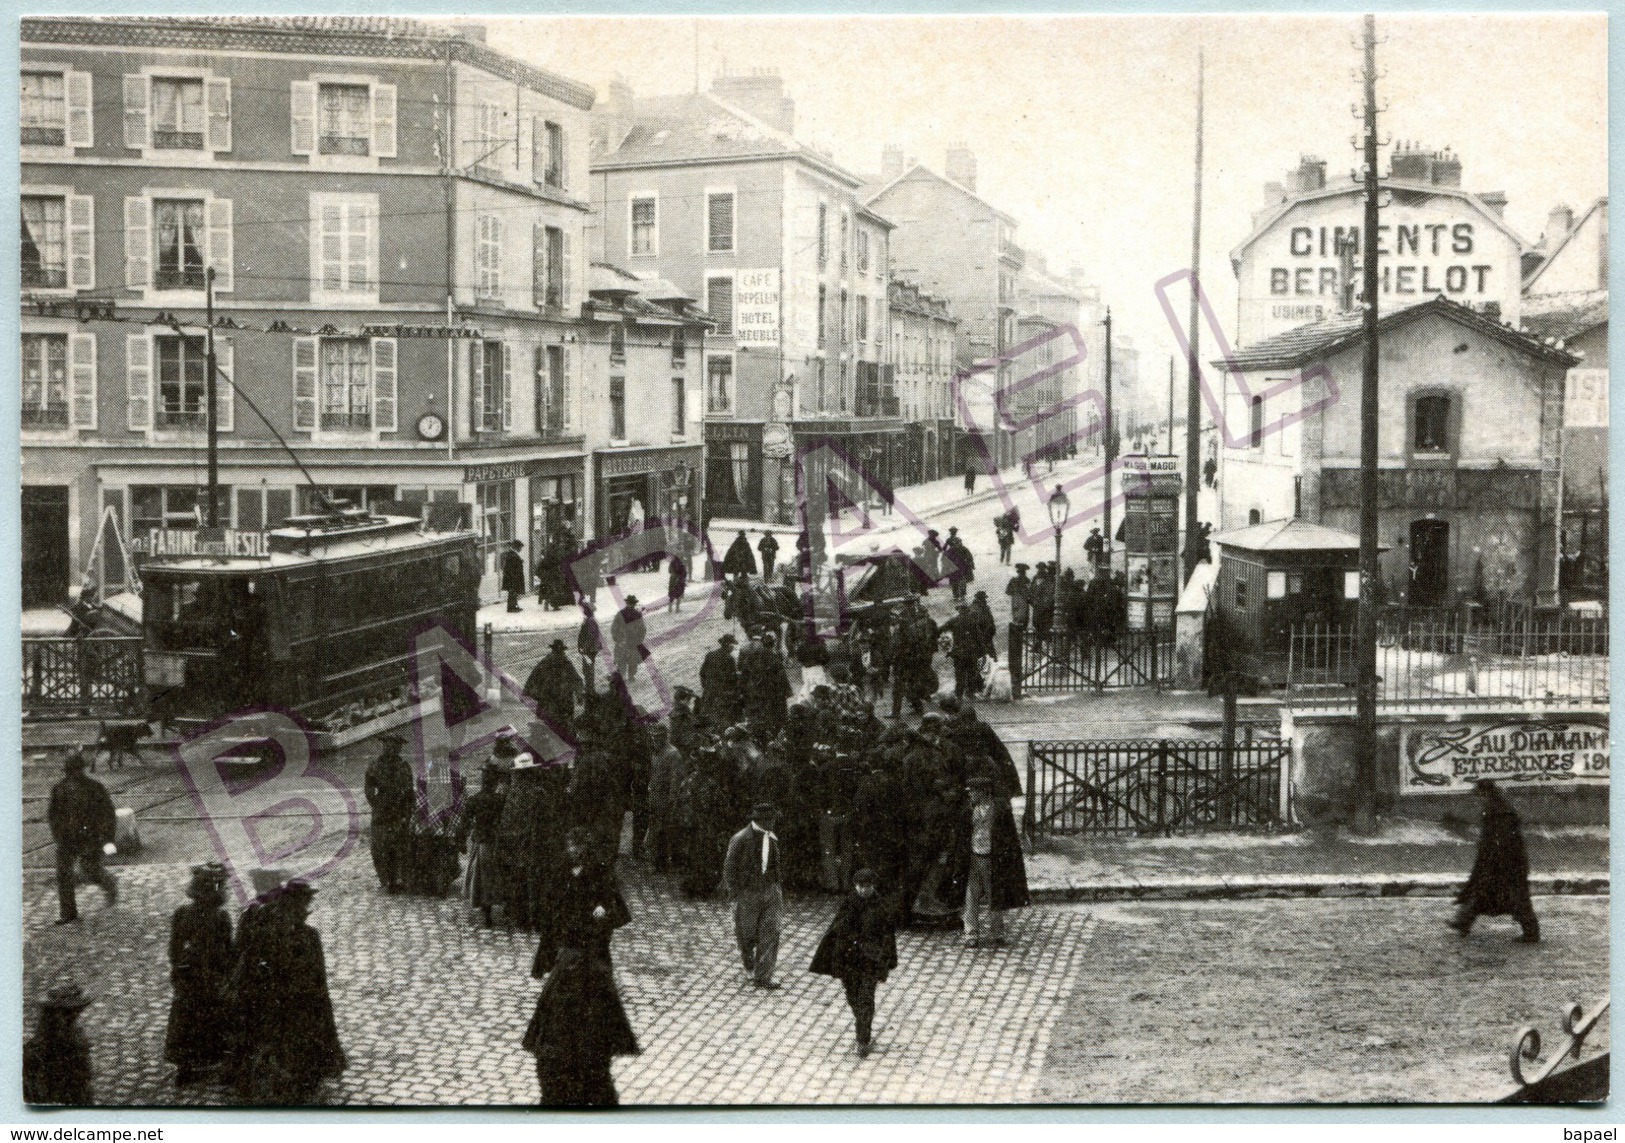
{"points": [[1446, 169], [614, 116], [759, 92], [1558, 224], [891, 162], [1491, 310], [1411, 163], [960, 166], [1274, 194], [1496, 201], [1310, 175]]}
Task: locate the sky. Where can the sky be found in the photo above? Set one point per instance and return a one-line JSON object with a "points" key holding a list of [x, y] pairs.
{"points": [[1084, 126]]}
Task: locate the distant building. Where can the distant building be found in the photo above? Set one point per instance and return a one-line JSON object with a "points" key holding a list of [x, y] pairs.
{"points": [[1302, 261], [1470, 452], [922, 330]]}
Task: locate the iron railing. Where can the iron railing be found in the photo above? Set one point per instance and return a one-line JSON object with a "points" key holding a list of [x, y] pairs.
{"points": [[1061, 662], [93, 675], [1156, 788], [1454, 659]]}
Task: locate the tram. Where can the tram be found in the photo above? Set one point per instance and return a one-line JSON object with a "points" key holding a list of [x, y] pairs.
{"points": [[320, 620]]}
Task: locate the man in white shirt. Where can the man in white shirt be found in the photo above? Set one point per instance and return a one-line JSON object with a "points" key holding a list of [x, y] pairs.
{"points": [[752, 880]]}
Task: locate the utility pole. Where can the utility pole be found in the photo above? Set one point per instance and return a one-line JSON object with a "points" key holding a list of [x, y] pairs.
{"points": [[1193, 396], [1365, 755], [1111, 444], [209, 396]]}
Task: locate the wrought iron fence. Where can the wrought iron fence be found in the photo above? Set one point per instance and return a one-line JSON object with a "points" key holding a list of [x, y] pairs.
{"points": [[92, 675], [1058, 662], [1455, 659], [1157, 788]]}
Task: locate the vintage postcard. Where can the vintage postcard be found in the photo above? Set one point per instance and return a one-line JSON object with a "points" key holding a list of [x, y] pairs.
{"points": [[979, 560]]}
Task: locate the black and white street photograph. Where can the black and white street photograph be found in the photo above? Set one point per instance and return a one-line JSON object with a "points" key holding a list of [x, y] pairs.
{"points": [[754, 561]]}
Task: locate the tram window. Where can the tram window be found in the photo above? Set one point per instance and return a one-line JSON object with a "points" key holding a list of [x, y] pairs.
{"points": [[185, 613]]}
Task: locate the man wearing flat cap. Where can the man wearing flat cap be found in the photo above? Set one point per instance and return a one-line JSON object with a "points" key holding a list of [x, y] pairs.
{"points": [[753, 881], [990, 871]]}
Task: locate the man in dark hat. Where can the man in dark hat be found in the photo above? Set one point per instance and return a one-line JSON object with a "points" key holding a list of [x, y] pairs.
{"points": [[752, 880], [56, 1059], [528, 837], [1094, 547], [390, 792], [1043, 598], [626, 635], [991, 872], [685, 723], [1499, 882], [200, 964], [739, 561], [764, 684], [83, 825], [769, 547], [513, 574], [860, 950], [555, 686], [719, 685], [1020, 591], [970, 647], [705, 815], [588, 640], [961, 565]]}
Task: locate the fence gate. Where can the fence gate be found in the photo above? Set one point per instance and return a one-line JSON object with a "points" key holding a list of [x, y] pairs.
{"points": [[1157, 788], [1055, 662], [93, 675]]}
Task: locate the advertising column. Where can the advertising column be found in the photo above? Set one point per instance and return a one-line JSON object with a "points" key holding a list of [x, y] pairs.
{"points": [[1151, 495]]}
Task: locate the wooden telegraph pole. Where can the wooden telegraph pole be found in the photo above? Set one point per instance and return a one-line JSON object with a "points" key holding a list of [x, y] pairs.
{"points": [[1193, 380]]}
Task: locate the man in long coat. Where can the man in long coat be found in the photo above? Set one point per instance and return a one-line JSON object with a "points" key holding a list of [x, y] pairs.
{"points": [[769, 547], [765, 684], [555, 686], [390, 793], [719, 685], [705, 812], [528, 837], [200, 965], [626, 634], [959, 564], [970, 647], [589, 641], [82, 821], [739, 561], [1499, 883], [860, 950], [1020, 591], [1043, 599], [513, 574], [990, 872], [666, 774]]}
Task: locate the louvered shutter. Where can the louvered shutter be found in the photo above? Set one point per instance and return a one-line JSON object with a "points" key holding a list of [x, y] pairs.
{"points": [[568, 264], [306, 353], [568, 417], [138, 243], [81, 242], [538, 265], [476, 385], [81, 124], [564, 159], [217, 105], [137, 112], [220, 243], [225, 394], [302, 127], [507, 386], [383, 384], [538, 385], [138, 382], [82, 376], [383, 120]]}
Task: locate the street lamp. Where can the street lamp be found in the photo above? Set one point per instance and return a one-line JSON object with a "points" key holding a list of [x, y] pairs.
{"points": [[1059, 509]]}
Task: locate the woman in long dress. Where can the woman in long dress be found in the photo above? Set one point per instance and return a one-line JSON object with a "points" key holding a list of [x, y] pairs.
{"points": [[482, 882]]}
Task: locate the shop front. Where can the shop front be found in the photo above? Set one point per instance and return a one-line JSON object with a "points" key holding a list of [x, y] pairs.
{"points": [[734, 472], [555, 502], [635, 487]]}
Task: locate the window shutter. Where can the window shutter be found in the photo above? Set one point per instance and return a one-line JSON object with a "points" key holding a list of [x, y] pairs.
{"points": [[564, 159], [225, 394], [569, 275], [494, 254], [138, 243], [217, 104], [302, 104], [539, 387], [81, 242], [220, 253], [476, 384], [538, 265], [82, 371], [368, 217], [507, 386], [383, 120], [138, 382], [383, 384], [137, 112], [567, 417], [81, 126], [306, 351]]}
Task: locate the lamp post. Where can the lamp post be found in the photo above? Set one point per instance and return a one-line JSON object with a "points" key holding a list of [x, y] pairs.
{"points": [[1059, 509]]}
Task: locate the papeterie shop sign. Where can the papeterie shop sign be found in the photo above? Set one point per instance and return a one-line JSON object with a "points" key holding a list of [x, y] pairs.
{"points": [[1521, 753]]}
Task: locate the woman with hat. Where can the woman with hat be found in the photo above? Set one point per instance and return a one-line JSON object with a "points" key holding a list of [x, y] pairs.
{"points": [[482, 883], [200, 962], [860, 950], [56, 1059]]}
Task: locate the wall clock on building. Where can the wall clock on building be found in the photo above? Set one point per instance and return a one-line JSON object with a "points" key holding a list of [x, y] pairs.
{"points": [[431, 426]]}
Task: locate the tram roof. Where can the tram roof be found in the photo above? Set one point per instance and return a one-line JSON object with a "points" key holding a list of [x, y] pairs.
{"points": [[299, 547]]}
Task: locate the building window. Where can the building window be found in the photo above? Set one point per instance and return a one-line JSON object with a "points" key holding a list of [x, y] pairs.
{"points": [[843, 378], [617, 344], [492, 386], [45, 242], [645, 242], [863, 319], [1432, 418], [823, 298], [845, 326], [719, 384], [719, 303], [182, 382], [1256, 423], [1254, 516], [44, 109], [679, 347], [1351, 585], [547, 266], [494, 502], [346, 383], [823, 235], [719, 223], [823, 399], [178, 229], [550, 389], [846, 233], [178, 114], [863, 251], [45, 380], [488, 257], [617, 408], [553, 156], [344, 119], [346, 244], [679, 407], [154, 506], [1241, 595], [489, 140], [1275, 585]]}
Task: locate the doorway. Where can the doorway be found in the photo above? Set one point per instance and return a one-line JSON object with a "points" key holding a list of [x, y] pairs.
{"points": [[1430, 563], [47, 564]]}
